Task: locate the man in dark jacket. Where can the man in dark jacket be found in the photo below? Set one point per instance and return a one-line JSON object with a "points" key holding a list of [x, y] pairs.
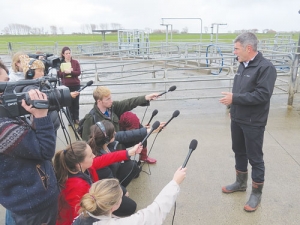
{"points": [[28, 187], [107, 109], [250, 102]]}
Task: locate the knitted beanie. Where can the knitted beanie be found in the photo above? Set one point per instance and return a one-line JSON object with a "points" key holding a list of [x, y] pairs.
{"points": [[129, 121], [35, 63]]}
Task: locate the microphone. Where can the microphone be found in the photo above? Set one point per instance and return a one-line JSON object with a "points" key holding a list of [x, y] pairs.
{"points": [[193, 146], [87, 84], [153, 114], [154, 127], [175, 114], [170, 89]]}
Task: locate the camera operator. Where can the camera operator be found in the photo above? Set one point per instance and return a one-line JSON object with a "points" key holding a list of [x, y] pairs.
{"points": [[34, 69], [28, 187]]}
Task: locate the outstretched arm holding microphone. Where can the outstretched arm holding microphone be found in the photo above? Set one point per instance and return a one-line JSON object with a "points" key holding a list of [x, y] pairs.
{"points": [[155, 213], [74, 94]]}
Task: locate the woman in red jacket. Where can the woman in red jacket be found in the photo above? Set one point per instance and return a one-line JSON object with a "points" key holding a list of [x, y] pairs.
{"points": [[69, 73], [75, 169]]}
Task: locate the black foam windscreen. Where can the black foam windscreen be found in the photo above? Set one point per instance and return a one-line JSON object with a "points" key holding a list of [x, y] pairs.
{"points": [[173, 88]]}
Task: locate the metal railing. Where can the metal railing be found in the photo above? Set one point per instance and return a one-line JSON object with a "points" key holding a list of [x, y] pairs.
{"points": [[162, 64]]}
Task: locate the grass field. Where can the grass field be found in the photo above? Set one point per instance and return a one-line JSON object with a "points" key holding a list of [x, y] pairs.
{"points": [[71, 40], [114, 37]]}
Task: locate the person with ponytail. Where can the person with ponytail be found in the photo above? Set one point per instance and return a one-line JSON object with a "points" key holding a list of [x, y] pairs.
{"points": [[104, 197], [75, 169]]}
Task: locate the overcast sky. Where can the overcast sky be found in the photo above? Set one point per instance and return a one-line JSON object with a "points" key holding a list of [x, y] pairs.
{"points": [[279, 15]]}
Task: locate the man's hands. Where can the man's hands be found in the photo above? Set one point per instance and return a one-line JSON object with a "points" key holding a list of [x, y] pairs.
{"points": [[152, 96], [157, 130], [35, 95], [227, 99]]}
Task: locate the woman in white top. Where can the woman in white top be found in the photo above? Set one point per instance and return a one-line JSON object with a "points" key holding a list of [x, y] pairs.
{"points": [[16, 70], [105, 197]]}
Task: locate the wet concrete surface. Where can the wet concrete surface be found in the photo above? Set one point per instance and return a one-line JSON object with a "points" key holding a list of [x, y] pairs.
{"points": [[211, 165]]}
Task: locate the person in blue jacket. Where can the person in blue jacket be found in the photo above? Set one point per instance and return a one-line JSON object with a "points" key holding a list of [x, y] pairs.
{"points": [[28, 186]]}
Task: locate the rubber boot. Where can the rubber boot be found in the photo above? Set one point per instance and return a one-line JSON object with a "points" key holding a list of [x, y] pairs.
{"points": [[255, 197], [144, 157], [239, 185]]}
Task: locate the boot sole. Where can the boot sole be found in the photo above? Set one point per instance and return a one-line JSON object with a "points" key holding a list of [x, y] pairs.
{"points": [[250, 209], [228, 192]]}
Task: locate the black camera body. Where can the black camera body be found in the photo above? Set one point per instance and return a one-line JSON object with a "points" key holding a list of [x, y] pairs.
{"points": [[49, 60], [12, 95]]}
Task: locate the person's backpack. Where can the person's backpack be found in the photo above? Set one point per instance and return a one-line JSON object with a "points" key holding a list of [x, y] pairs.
{"points": [[79, 129]]}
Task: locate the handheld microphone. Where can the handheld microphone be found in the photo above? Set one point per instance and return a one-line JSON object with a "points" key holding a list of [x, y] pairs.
{"points": [[154, 127], [87, 84], [170, 89], [193, 146], [153, 114], [175, 114]]}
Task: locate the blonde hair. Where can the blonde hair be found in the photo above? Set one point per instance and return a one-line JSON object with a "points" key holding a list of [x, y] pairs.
{"points": [[15, 59], [101, 92], [102, 196]]}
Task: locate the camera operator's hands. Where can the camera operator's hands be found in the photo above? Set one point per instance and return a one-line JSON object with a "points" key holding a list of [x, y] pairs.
{"points": [[35, 95], [135, 150]]}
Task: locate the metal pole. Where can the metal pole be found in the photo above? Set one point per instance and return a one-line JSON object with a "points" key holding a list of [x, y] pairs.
{"points": [[201, 30], [167, 31], [212, 31], [293, 79], [217, 33], [162, 19], [171, 32]]}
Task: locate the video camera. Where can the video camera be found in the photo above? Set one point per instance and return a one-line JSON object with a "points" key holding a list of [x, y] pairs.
{"points": [[12, 95], [49, 60]]}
